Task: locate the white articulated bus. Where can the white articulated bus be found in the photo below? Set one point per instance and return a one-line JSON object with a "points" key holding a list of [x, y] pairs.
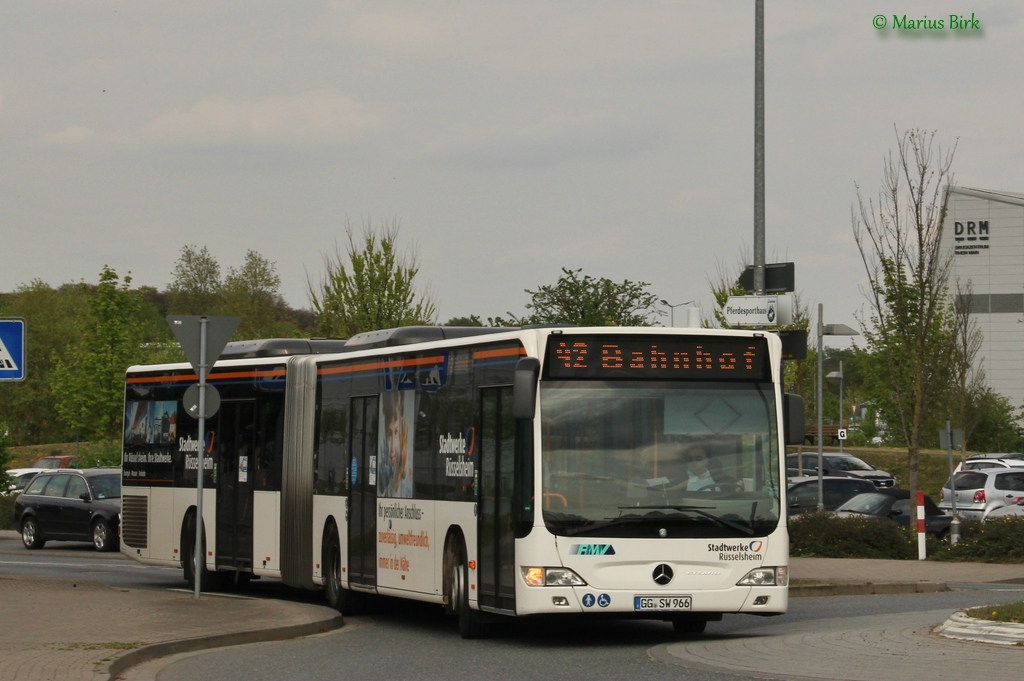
{"points": [[629, 472]]}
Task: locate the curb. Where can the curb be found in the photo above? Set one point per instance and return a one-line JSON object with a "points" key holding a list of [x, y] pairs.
{"points": [[868, 589], [189, 645], [960, 626]]}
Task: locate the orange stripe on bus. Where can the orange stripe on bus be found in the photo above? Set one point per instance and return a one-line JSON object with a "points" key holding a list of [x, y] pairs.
{"points": [[503, 352], [219, 376], [368, 366]]}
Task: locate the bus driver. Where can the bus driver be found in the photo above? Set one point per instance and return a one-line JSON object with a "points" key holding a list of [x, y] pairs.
{"points": [[698, 476]]}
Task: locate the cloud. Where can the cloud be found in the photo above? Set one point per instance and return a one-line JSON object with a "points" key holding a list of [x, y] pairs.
{"points": [[401, 30], [546, 143], [316, 117], [74, 136]]}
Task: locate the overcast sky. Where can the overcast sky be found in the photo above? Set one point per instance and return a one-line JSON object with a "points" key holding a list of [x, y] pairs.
{"points": [[509, 139]]}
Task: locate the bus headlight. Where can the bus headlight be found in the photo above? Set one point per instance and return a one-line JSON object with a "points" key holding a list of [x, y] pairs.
{"points": [[766, 576], [551, 576]]}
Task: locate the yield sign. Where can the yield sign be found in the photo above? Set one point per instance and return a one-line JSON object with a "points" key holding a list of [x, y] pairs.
{"points": [[12, 349], [219, 330]]}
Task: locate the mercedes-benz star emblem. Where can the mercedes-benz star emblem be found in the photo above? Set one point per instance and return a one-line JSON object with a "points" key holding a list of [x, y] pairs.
{"points": [[662, 574]]}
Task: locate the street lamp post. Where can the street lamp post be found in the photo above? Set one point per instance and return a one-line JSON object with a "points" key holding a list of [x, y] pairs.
{"points": [[839, 375], [825, 330], [672, 309]]}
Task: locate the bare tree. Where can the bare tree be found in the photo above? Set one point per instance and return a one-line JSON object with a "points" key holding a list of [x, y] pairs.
{"points": [[899, 242], [968, 380]]}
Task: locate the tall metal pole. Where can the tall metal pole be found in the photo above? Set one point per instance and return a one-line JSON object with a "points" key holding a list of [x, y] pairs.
{"points": [[759, 255], [200, 553], [840, 403], [821, 483]]}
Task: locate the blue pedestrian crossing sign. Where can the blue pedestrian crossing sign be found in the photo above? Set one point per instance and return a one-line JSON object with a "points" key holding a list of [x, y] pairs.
{"points": [[12, 349]]}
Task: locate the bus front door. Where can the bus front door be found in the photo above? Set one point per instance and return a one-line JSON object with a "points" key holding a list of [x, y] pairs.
{"points": [[234, 441], [362, 518], [496, 539]]}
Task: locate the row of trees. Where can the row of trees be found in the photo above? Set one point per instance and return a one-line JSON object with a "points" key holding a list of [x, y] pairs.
{"points": [[82, 337]]}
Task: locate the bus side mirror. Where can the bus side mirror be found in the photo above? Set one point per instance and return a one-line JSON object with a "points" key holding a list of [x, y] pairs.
{"points": [[793, 418], [524, 388]]}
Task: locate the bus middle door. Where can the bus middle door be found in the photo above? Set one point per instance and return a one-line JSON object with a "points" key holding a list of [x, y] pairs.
{"points": [[496, 538], [362, 512], [235, 438]]}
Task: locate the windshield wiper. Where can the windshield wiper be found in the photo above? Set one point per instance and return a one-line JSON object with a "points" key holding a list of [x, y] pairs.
{"points": [[699, 510]]}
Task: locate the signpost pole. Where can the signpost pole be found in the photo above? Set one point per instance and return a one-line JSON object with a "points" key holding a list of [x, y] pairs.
{"points": [[200, 552], [841, 426], [954, 525]]}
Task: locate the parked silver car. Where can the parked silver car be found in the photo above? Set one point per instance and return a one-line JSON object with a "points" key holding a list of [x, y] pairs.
{"points": [[1015, 510], [979, 493], [980, 462]]}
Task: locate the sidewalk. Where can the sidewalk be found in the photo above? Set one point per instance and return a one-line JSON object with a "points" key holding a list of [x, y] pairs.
{"points": [[858, 576], [75, 630]]}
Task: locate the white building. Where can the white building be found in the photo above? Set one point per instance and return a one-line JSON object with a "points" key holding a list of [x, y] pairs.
{"points": [[985, 232]]}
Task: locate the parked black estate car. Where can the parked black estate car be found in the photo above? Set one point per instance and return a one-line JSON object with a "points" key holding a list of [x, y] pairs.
{"points": [[803, 492], [894, 504], [71, 505]]}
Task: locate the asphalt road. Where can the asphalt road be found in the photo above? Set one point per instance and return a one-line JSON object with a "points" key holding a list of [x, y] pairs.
{"points": [[404, 640], [64, 559], [80, 559]]}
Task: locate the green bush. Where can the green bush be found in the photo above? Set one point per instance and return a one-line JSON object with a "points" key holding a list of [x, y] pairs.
{"points": [[825, 535], [1000, 540], [101, 453], [5, 457], [7, 511]]}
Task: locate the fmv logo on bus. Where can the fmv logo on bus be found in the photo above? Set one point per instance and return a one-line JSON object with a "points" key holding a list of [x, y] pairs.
{"points": [[592, 550]]}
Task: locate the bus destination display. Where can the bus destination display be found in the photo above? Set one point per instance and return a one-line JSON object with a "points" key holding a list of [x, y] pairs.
{"points": [[632, 357]]}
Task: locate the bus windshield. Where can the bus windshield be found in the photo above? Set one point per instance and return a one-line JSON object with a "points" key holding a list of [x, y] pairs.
{"points": [[653, 459]]}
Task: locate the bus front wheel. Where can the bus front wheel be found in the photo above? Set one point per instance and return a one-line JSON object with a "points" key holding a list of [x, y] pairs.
{"points": [[689, 626]]}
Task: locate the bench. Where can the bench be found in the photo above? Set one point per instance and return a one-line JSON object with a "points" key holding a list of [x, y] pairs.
{"points": [[828, 432]]}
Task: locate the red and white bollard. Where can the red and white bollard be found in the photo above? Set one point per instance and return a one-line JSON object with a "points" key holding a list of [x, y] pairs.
{"points": [[921, 529]]}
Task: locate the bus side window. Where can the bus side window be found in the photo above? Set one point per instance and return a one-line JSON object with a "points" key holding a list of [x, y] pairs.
{"points": [[268, 448], [331, 465]]}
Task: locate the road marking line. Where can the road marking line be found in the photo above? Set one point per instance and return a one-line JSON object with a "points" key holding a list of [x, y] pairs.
{"points": [[85, 565]]}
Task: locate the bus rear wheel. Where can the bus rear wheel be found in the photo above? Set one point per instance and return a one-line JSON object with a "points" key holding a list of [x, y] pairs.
{"points": [[208, 579], [345, 601]]}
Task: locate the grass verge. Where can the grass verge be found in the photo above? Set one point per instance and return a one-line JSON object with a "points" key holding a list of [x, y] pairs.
{"points": [[1011, 612]]}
